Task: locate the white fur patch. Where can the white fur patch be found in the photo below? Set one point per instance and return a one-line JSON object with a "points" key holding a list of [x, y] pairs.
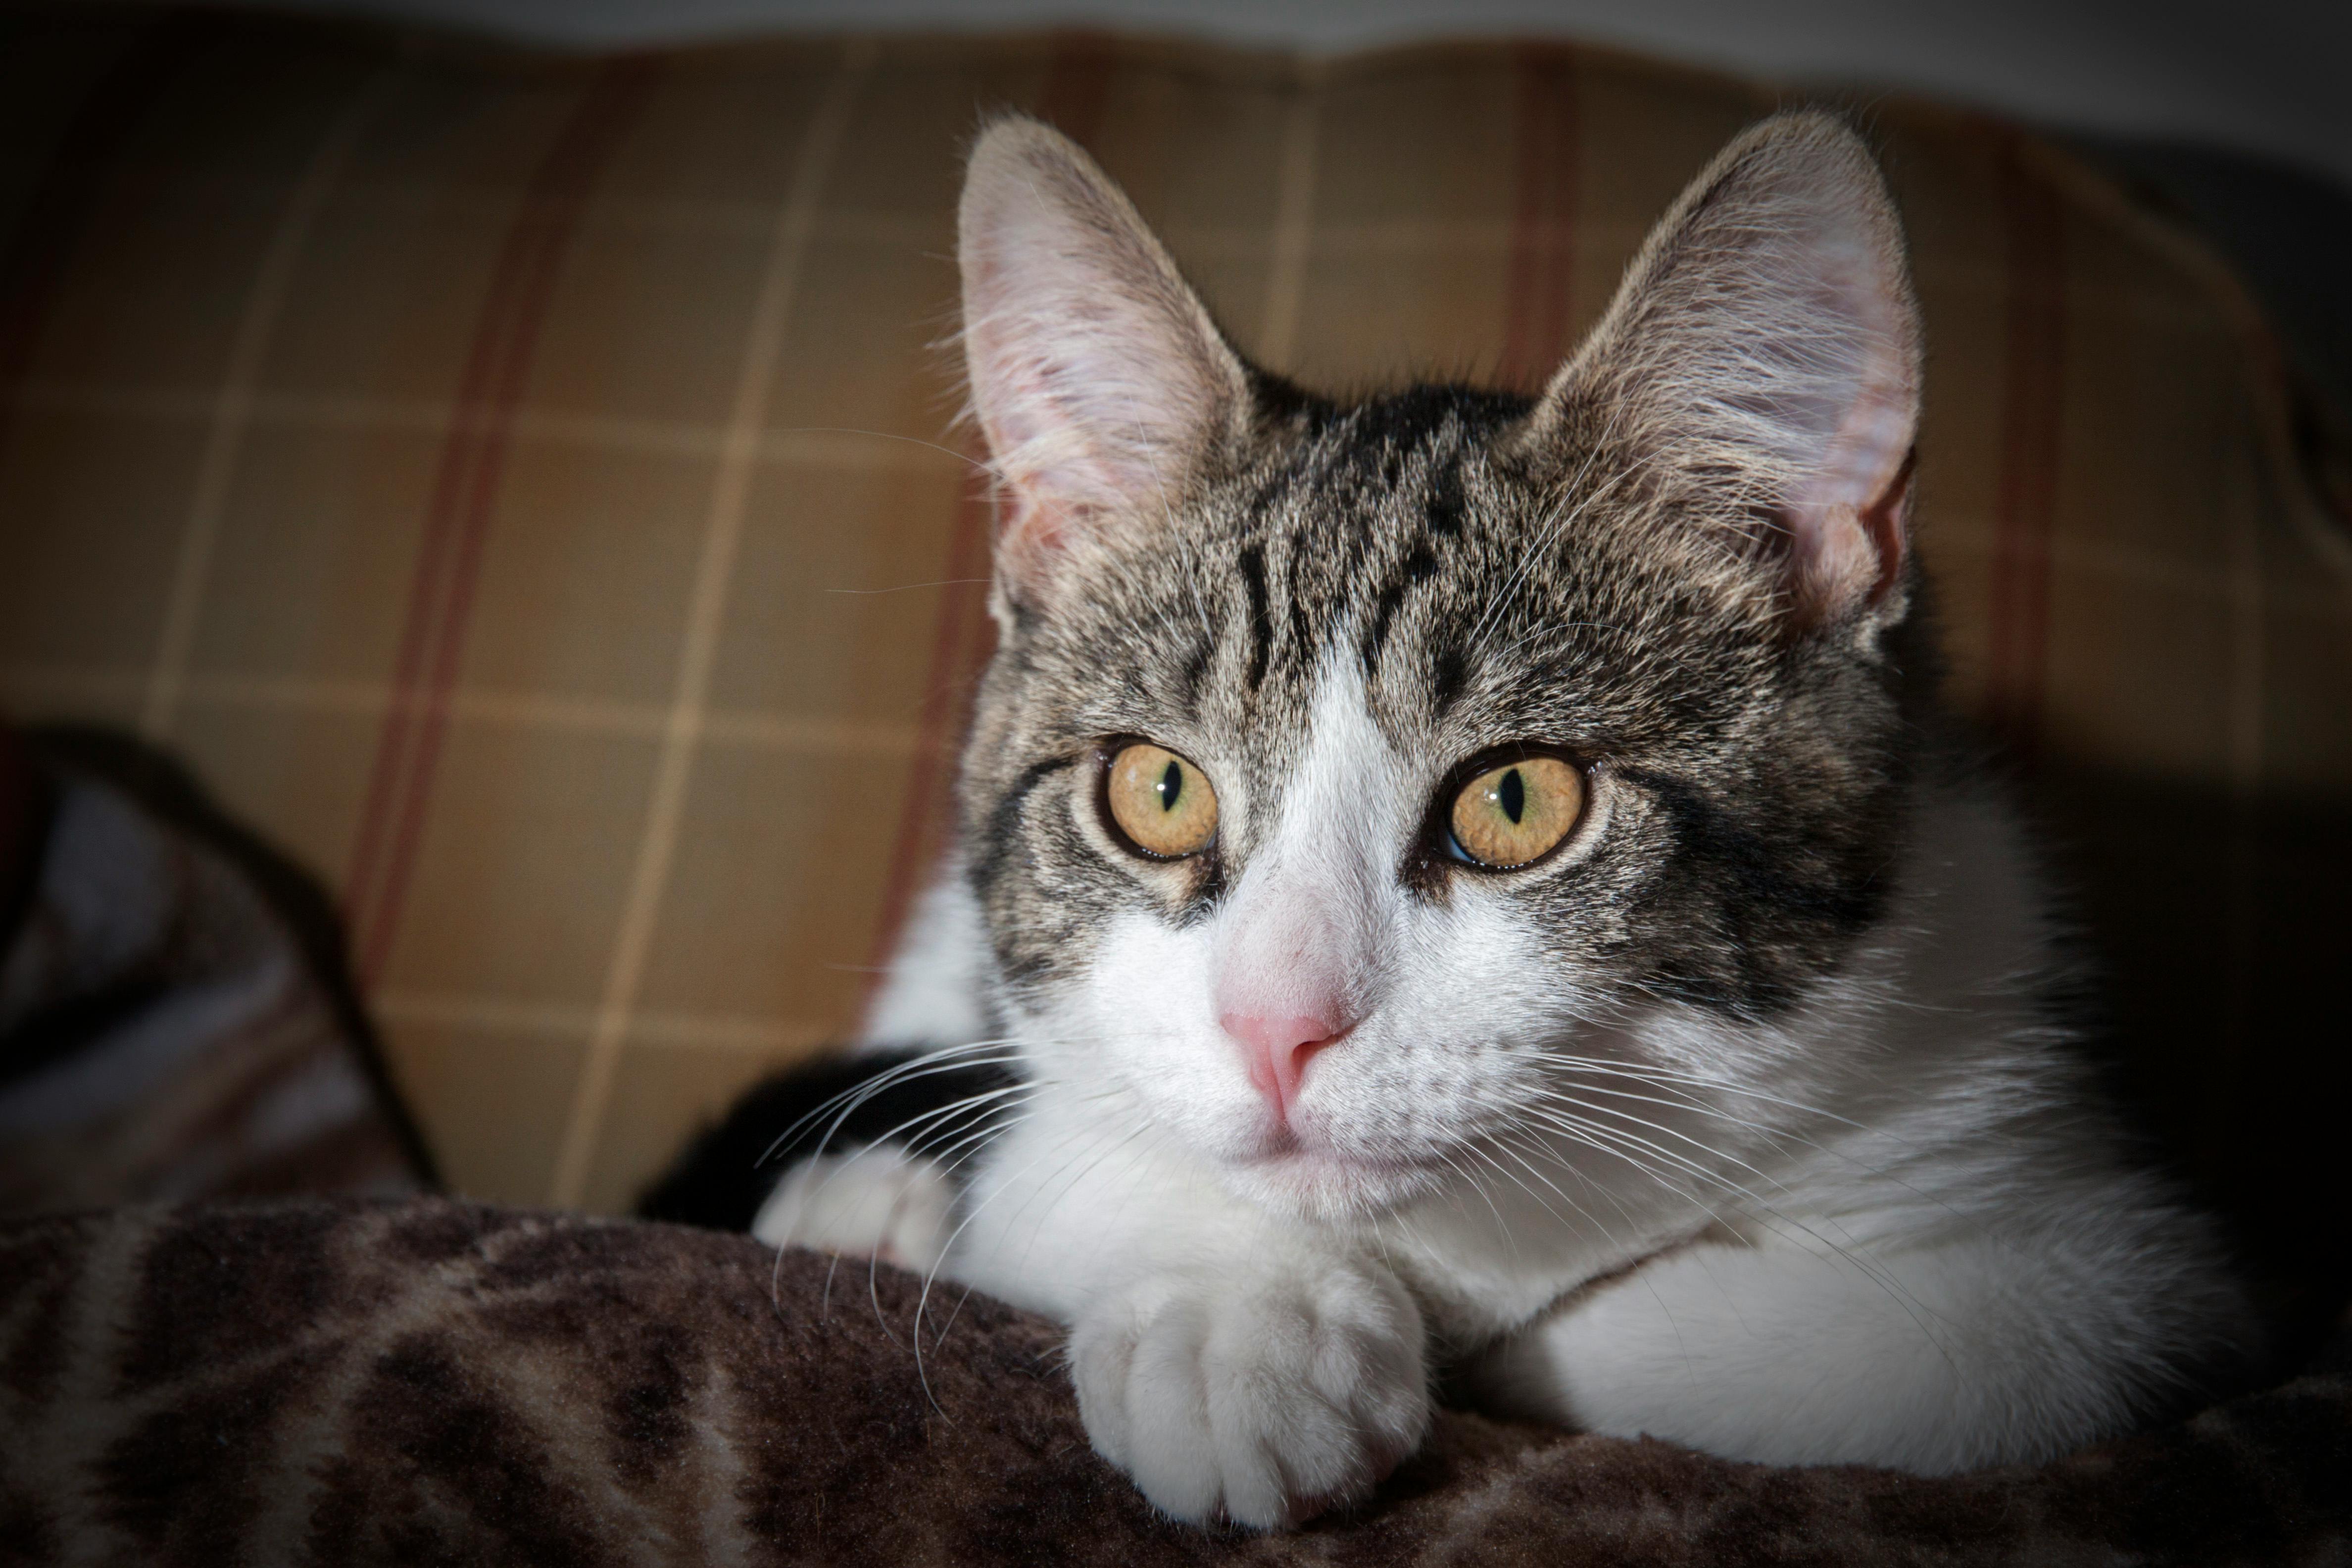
{"points": [[931, 993], [1258, 1395], [876, 1203]]}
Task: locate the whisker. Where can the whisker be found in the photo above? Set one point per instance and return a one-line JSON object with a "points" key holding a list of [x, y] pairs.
{"points": [[946, 1059], [1606, 1139], [1650, 1285], [1661, 1075], [1516, 1153], [907, 587], [1771, 1135], [946, 1249], [964, 459]]}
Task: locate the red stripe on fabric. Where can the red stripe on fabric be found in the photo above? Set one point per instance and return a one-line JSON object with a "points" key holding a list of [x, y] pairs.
{"points": [[464, 501], [430, 587], [1539, 292], [1074, 97], [963, 636], [57, 212], [2032, 412]]}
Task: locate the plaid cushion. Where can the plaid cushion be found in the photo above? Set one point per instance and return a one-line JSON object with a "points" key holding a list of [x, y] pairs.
{"points": [[519, 484]]}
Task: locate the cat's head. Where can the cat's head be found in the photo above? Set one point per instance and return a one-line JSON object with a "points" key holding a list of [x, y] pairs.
{"points": [[1344, 763]]}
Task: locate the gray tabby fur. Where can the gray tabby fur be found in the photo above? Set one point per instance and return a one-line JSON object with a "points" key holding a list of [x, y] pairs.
{"points": [[1743, 1119]]}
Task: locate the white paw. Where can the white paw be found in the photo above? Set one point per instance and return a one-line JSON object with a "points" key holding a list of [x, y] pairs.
{"points": [[877, 1201], [1261, 1394]]}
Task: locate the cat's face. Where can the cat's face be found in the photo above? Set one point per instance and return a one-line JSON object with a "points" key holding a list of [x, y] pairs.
{"points": [[1344, 768]]}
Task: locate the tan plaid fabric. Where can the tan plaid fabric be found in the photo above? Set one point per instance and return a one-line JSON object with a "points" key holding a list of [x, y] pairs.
{"points": [[520, 486]]}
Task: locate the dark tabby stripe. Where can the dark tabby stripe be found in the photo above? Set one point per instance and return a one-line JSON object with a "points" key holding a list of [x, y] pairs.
{"points": [[1261, 624]]}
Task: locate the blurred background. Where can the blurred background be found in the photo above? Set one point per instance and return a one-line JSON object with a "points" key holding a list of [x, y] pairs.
{"points": [[2265, 77], [490, 591], [2237, 113]]}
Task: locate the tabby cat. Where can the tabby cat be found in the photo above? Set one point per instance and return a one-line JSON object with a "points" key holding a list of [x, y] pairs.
{"points": [[1458, 885]]}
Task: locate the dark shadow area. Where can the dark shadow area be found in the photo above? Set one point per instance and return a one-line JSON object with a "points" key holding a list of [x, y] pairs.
{"points": [[2286, 232], [2219, 931], [27, 805], [167, 789]]}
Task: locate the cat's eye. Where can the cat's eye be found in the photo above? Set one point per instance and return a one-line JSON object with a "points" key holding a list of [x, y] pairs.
{"points": [[1161, 803], [1516, 812]]}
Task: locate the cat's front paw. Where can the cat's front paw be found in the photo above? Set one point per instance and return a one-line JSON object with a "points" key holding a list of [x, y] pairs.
{"points": [[1260, 1395], [877, 1201]]}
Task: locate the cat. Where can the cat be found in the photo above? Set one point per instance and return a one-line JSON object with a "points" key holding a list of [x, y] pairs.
{"points": [[1462, 885]]}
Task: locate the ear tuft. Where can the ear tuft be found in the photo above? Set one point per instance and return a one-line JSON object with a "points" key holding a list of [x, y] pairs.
{"points": [[1765, 344], [1097, 376]]}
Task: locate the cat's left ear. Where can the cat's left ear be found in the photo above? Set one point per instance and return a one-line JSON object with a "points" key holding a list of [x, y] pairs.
{"points": [[1097, 376], [1764, 352]]}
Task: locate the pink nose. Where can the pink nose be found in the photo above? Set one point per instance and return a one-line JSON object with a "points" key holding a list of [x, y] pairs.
{"points": [[1276, 1050]]}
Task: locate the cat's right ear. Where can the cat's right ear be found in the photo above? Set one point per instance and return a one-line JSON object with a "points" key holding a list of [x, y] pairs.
{"points": [[1763, 351], [1096, 374]]}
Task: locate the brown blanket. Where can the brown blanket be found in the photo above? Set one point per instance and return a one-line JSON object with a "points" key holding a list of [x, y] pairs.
{"points": [[175, 1021], [347, 1383]]}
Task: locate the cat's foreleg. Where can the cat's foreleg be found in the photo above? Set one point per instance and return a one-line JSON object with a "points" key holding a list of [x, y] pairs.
{"points": [[1939, 1358], [877, 1201], [1238, 1367]]}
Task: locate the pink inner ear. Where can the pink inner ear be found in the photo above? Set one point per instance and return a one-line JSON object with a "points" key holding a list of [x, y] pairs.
{"points": [[1096, 373], [1887, 522], [1034, 530], [1049, 473], [1848, 523], [1847, 530], [1846, 556]]}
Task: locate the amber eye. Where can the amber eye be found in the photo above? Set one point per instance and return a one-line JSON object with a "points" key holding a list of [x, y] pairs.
{"points": [[1513, 814], [1160, 802]]}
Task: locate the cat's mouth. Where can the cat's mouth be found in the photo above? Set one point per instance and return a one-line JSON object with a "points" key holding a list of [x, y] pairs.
{"points": [[1288, 1171]]}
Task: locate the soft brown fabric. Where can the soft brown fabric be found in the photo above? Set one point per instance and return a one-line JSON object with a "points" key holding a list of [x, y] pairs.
{"points": [[516, 482], [433, 1382], [24, 802], [166, 1033]]}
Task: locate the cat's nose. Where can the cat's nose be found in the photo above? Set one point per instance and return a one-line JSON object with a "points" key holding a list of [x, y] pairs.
{"points": [[1276, 1049]]}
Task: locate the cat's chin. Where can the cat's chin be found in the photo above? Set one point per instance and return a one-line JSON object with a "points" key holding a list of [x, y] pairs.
{"points": [[1324, 1186]]}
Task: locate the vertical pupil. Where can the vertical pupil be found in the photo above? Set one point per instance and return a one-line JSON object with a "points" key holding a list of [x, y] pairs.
{"points": [[1171, 785], [1511, 794]]}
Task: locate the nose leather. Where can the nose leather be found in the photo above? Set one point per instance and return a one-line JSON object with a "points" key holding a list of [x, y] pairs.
{"points": [[1275, 1048]]}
